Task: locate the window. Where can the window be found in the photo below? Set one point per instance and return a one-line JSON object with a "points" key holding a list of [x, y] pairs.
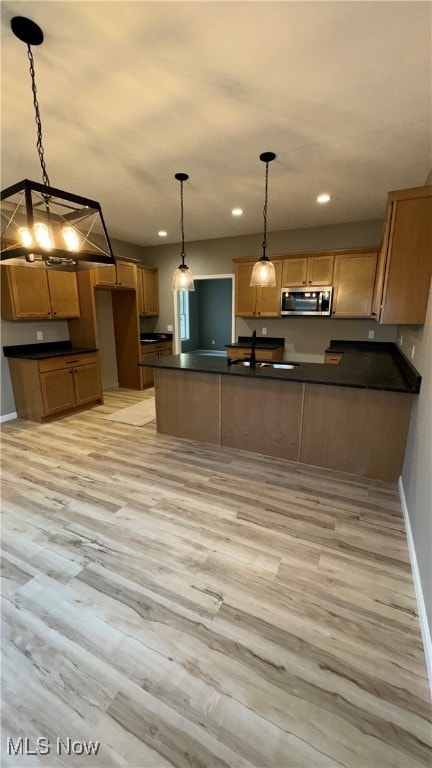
{"points": [[184, 315]]}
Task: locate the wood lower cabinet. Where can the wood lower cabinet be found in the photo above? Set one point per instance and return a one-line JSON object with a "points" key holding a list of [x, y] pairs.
{"points": [[257, 302], [313, 269], [332, 358], [38, 294], [405, 262], [157, 350], [54, 386], [354, 278], [123, 275], [148, 292], [260, 354]]}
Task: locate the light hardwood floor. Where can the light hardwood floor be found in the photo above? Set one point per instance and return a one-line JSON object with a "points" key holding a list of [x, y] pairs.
{"points": [[191, 605]]}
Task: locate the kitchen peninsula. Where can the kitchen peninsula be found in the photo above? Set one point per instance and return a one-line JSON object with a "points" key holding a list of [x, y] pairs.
{"points": [[351, 417]]}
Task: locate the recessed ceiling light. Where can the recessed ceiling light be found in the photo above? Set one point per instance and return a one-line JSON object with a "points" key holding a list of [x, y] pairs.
{"points": [[324, 198], [162, 233], [237, 211]]}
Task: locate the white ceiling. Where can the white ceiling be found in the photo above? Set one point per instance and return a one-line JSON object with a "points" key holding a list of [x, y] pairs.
{"points": [[132, 92]]}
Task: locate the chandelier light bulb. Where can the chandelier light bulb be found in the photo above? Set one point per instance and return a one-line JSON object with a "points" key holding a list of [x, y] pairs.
{"points": [[42, 235], [25, 236], [71, 238]]}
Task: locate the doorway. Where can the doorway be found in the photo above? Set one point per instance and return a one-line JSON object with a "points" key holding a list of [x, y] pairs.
{"points": [[204, 318]]}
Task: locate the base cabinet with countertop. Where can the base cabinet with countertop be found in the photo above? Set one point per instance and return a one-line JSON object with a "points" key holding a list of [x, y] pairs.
{"points": [[151, 351], [46, 387], [38, 294], [352, 417], [267, 348]]}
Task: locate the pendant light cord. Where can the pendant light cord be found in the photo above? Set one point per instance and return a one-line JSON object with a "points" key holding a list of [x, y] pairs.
{"points": [[183, 254], [264, 244], [39, 144]]}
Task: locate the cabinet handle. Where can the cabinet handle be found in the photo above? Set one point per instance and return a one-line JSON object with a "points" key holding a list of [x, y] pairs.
{"points": [[70, 372], [310, 281], [373, 314], [304, 282], [72, 362]]}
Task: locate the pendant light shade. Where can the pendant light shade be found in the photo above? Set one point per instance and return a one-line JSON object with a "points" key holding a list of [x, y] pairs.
{"points": [[182, 277], [43, 226], [263, 273]]}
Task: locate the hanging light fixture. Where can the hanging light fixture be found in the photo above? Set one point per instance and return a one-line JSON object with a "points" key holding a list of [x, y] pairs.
{"points": [[182, 277], [43, 226], [263, 273]]}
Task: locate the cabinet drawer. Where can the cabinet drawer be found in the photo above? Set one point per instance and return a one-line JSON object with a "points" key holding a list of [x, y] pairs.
{"points": [[67, 361], [332, 358]]}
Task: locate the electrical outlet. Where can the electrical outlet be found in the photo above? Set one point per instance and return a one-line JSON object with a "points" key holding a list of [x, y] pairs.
{"points": [[412, 352], [169, 328], [371, 335], [264, 331], [39, 335], [213, 341]]}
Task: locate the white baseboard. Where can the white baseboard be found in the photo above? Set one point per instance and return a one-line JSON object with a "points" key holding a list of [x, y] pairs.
{"points": [[424, 626], [8, 417]]}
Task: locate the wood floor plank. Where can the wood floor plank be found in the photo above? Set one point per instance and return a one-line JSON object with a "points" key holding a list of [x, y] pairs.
{"points": [[193, 605]]}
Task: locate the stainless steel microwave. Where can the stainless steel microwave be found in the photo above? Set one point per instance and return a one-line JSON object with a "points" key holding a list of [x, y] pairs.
{"points": [[311, 300]]}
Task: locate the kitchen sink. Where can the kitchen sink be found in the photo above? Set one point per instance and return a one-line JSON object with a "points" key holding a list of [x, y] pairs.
{"points": [[284, 366]]}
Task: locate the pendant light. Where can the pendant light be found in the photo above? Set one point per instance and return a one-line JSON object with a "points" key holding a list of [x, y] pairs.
{"points": [[43, 226], [182, 277], [263, 273]]}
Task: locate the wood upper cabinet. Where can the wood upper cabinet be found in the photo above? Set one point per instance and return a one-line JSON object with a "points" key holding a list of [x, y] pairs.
{"points": [[313, 269], [122, 275], [354, 278], [405, 262], [46, 388], [38, 294], [257, 302], [148, 292]]}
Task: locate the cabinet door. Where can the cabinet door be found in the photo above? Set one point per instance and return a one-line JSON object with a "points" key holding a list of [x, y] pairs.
{"points": [[320, 270], [105, 276], [165, 350], [25, 294], [268, 302], [150, 292], [294, 272], [353, 284], [87, 383], [406, 259], [63, 293], [148, 373], [58, 391], [126, 275], [245, 295], [140, 291]]}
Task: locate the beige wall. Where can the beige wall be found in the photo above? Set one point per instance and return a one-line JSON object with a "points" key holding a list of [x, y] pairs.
{"points": [[417, 469]]}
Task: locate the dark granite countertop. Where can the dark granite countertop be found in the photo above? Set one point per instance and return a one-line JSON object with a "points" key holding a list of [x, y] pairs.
{"points": [[364, 365], [151, 338], [262, 342], [45, 350]]}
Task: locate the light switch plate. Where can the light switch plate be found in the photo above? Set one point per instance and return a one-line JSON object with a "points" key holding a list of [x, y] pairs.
{"points": [[371, 335], [169, 328]]}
